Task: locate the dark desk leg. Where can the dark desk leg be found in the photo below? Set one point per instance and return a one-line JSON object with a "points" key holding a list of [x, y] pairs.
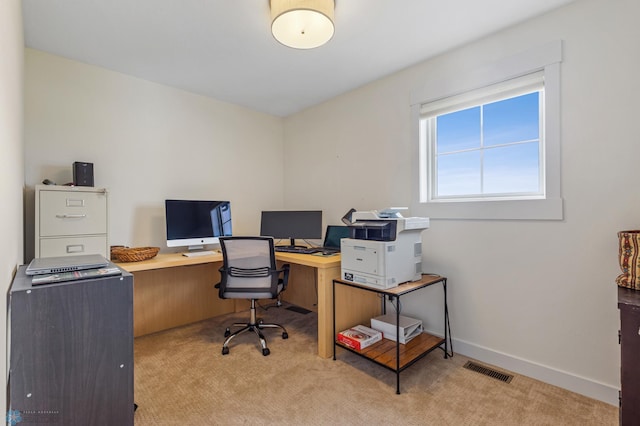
{"points": [[447, 328], [333, 283], [398, 346]]}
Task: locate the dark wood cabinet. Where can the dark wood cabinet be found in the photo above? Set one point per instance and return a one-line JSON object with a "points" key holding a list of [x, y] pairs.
{"points": [[629, 305], [71, 351]]}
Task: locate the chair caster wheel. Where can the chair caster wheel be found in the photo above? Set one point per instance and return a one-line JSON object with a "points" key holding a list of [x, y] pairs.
{"points": [[225, 351], [285, 335], [227, 332], [266, 351]]}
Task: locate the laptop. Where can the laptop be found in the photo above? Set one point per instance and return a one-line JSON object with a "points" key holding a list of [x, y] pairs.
{"points": [[54, 265], [332, 237], [75, 275]]}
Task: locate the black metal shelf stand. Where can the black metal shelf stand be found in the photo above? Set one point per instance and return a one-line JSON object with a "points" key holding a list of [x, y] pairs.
{"points": [[415, 349]]}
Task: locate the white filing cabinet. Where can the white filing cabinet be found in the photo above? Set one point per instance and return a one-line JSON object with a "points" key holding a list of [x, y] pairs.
{"points": [[70, 220]]}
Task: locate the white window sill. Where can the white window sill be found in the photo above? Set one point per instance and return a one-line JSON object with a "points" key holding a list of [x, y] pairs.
{"points": [[546, 209]]}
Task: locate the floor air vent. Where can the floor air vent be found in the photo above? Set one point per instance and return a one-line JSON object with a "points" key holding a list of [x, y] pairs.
{"points": [[488, 372], [298, 309]]}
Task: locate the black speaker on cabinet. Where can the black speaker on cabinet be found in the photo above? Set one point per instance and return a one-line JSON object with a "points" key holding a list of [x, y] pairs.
{"points": [[82, 174]]}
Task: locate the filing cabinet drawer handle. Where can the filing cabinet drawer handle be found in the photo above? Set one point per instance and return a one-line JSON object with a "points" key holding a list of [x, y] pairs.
{"points": [[70, 216], [75, 203], [75, 248]]}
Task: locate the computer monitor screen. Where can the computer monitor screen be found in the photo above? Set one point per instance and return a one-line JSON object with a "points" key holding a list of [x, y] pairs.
{"points": [[300, 224], [194, 223]]}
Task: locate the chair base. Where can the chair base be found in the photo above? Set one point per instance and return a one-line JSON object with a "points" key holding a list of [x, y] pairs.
{"points": [[276, 304], [254, 325]]}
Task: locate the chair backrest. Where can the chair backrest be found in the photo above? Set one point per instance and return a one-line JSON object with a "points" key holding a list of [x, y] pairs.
{"points": [[249, 268]]}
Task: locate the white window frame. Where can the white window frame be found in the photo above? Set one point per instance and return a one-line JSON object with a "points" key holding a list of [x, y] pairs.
{"points": [[545, 59]]}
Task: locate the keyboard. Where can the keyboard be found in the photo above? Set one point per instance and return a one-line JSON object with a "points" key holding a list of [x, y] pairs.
{"points": [[199, 253], [307, 250], [299, 250]]}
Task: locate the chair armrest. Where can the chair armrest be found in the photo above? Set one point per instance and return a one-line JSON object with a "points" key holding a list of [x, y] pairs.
{"points": [[222, 271], [285, 275]]}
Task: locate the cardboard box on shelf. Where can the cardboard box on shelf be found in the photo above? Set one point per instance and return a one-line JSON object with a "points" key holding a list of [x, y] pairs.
{"points": [[359, 337]]}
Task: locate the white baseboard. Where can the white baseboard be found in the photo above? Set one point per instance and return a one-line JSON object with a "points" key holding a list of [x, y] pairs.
{"points": [[587, 387]]}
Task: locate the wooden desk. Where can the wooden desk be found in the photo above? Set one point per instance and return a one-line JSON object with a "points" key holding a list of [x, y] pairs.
{"points": [[172, 290], [319, 271]]}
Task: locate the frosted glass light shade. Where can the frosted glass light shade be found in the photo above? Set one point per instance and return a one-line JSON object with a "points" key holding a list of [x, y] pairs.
{"points": [[302, 24]]}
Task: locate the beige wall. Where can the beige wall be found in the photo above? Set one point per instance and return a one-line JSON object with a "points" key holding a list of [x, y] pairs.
{"points": [[11, 159], [148, 142], [535, 297]]}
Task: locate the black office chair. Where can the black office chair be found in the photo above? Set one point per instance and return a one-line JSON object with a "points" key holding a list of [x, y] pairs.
{"points": [[249, 272]]}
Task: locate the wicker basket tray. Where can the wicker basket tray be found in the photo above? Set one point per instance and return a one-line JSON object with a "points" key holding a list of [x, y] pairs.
{"points": [[133, 254]]}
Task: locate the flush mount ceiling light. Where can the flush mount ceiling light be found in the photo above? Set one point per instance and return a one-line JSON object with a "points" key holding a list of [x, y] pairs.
{"points": [[302, 24]]}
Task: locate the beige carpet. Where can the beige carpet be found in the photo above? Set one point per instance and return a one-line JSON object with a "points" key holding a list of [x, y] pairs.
{"points": [[181, 378]]}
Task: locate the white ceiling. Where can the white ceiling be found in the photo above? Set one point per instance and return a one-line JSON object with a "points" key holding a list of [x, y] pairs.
{"points": [[224, 49]]}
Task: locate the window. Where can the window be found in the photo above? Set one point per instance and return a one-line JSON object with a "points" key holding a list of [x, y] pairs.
{"points": [[487, 144], [491, 149]]}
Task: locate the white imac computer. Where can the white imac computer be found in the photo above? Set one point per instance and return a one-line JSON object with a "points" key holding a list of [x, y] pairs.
{"points": [[196, 223]]}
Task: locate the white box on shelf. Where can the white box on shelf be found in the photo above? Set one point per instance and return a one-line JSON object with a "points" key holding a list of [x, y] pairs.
{"points": [[409, 327]]}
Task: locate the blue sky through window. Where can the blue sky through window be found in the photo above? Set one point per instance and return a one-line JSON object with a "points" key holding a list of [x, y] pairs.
{"points": [[490, 149]]}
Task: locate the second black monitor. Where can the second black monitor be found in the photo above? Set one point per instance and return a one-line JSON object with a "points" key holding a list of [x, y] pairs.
{"points": [[292, 224]]}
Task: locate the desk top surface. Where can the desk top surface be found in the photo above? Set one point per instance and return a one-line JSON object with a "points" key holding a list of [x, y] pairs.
{"points": [[170, 260]]}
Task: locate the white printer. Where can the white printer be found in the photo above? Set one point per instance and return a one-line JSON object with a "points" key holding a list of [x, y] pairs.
{"points": [[385, 249]]}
